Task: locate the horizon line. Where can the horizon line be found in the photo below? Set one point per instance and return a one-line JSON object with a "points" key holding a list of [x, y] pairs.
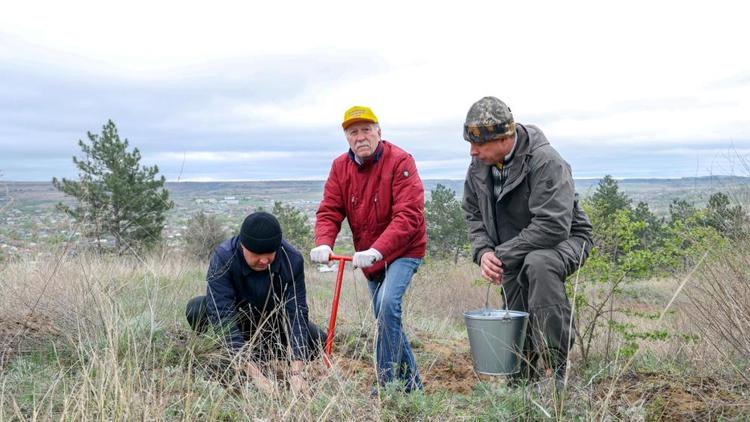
{"points": [[423, 179]]}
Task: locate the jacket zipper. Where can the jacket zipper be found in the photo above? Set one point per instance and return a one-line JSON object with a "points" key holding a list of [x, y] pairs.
{"points": [[377, 212]]}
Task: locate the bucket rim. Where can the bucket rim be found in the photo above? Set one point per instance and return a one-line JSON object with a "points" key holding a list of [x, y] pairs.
{"points": [[496, 373], [479, 314]]}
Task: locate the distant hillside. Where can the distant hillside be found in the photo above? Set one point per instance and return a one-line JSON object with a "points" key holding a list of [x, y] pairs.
{"points": [[658, 193], [29, 219]]}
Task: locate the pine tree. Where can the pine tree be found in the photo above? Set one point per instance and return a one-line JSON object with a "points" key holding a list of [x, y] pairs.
{"points": [[610, 214], [681, 210], [117, 198], [446, 225], [652, 227], [608, 199], [726, 218]]}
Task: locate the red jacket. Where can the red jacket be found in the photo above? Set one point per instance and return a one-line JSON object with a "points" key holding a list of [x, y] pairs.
{"points": [[383, 200]]}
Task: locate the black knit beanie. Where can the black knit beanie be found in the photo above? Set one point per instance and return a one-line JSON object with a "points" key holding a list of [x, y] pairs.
{"points": [[260, 233]]}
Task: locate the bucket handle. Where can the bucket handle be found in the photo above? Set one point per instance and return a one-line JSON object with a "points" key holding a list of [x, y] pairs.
{"points": [[505, 300], [505, 303]]}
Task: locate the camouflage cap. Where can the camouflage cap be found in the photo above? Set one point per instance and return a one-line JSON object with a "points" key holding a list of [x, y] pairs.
{"points": [[488, 119]]}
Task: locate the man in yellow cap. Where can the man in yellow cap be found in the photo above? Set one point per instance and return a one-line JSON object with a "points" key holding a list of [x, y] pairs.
{"points": [[375, 186]]}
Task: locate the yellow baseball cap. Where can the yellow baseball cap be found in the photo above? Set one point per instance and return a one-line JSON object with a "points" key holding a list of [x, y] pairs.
{"points": [[358, 114]]}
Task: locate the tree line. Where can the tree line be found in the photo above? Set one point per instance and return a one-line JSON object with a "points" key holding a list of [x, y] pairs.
{"points": [[119, 200]]}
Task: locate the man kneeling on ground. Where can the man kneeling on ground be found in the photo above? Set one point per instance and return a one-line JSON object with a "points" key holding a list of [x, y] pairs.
{"points": [[256, 296]]}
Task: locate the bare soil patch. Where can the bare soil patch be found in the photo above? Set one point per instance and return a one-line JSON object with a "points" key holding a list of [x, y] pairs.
{"points": [[673, 398], [22, 333]]}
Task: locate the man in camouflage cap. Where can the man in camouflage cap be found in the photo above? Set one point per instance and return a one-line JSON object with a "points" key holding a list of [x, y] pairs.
{"points": [[489, 119], [526, 227]]}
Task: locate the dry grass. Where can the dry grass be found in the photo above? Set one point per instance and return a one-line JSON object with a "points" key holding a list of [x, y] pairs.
{"points": [[720, 302], [104, 338]]}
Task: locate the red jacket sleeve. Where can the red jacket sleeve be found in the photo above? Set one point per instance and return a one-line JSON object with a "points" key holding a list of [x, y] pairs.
{"points": [[331, 211], [408, 211]]}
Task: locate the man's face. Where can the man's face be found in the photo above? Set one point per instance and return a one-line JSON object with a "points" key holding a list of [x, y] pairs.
{"points": [[363, 138], [492, 152], [258, 261]]}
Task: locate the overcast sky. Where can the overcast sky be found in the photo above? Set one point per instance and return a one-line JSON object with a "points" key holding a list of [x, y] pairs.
{"points": [[257, 90]]}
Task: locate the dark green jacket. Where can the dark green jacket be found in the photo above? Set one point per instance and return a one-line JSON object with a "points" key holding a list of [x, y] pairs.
{"points": [[538, 208]]}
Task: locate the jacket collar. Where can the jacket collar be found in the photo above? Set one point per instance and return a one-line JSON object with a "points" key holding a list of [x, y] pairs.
{"points": [[521, 148], [376, 157], [507, 159]]}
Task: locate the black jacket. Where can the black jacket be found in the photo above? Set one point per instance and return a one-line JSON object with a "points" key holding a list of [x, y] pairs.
{"points": [[236, 292]]}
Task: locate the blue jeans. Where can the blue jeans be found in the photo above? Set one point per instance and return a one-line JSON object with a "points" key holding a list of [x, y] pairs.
{"points": [[394, 356]]}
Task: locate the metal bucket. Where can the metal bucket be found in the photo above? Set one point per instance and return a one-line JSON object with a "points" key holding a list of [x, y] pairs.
{"points": [[496, 338]]}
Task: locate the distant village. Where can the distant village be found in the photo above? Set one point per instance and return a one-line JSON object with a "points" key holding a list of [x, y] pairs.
{"points": [[36, 227], [30, 224]]}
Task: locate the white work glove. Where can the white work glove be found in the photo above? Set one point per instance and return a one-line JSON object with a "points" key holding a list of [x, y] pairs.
{"points": [[321, 254], [366, 258]]}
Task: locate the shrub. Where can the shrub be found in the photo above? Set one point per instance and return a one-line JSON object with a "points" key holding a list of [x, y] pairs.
{"points": [[721, 298], [295, 226], [204, 233]]}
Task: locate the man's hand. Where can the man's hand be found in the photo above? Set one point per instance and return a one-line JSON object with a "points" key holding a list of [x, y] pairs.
{"points": [[296, 381], [265, 385], [261, 382], [492, 267], [321, 254], [366, 258], [299, 386]]}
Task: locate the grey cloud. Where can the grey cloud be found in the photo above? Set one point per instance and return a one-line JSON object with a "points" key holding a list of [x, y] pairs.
{"points": [[45, 108], [79, 96], [621, 107]]}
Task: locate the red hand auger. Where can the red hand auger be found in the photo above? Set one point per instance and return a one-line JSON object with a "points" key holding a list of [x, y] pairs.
{"points": [[334, 309]]}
